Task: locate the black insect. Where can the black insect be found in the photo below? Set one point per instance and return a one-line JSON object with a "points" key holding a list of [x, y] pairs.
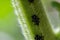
{"points": [[37, 37], [31, 1], [35, 19]]}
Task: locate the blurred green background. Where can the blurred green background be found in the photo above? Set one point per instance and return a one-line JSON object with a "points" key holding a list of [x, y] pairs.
{"points": [[8, 22]]}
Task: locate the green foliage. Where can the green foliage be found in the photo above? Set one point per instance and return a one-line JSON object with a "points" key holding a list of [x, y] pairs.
{"points": [[56, 5]]}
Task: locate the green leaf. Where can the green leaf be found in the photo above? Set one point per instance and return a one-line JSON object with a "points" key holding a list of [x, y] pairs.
{"points": [[56, 5]]}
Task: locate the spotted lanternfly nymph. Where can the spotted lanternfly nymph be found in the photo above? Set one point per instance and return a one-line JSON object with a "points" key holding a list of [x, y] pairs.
{"points": [[31, 1], [39, 37], [35, 19]]}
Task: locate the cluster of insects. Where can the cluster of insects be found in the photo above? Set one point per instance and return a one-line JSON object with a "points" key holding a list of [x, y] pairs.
{"points": [[39, 37], [35, 19]]}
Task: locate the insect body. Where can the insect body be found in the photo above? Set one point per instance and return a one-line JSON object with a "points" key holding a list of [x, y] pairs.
{"points": [[35, 19], [37, 37]]}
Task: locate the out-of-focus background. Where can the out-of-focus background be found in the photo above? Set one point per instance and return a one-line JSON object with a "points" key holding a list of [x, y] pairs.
{"points": [[9, 27], [53, 15]]}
